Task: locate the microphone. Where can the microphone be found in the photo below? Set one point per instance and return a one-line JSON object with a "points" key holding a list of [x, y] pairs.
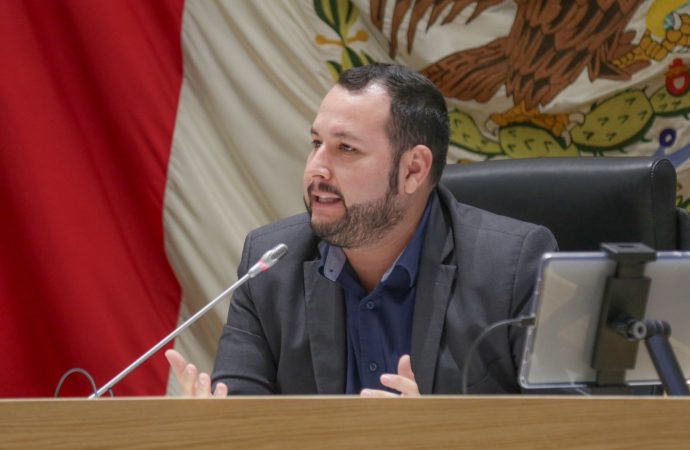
{"points": [[266, 261]]}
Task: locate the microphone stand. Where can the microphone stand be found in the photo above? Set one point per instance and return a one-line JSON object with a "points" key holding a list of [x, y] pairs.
{"points": [[267, 260]]}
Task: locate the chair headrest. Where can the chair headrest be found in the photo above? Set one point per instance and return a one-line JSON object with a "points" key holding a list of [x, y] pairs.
{"points": [[583, 201]]}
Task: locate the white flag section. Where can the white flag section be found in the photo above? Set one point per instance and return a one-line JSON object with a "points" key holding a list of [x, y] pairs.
{"points": [[522, 79], [240, 143]]}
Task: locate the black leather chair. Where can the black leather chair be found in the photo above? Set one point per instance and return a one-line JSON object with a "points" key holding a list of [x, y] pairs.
{"points": [[583, 201]]}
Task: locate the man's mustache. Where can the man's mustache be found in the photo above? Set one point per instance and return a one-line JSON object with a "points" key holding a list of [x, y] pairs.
{"points": [[324, 187]]}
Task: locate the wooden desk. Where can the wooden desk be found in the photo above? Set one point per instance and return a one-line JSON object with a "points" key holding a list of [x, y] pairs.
{"points": [[348, 422]]}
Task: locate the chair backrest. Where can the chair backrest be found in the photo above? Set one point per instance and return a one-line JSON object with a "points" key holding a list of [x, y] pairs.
{"points": [[583, 201]]}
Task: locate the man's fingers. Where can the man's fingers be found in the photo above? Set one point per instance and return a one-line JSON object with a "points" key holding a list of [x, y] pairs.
{"points": [[221, 390], [403, 382], [376, 393], [185, 373], [405, 386], [188, 380], [192, 383], [405, 367], [203, 386], [177, 362]]}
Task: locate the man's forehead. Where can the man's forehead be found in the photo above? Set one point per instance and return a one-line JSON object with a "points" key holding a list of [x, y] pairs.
{"points": [[367, 103]]}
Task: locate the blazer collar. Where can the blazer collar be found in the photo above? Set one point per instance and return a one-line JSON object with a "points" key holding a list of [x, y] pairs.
{"points": [[325, 311], [434, 283]]}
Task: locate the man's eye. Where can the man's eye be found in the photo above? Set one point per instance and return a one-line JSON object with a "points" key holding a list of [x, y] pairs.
{"points": [[315, 144], [347, 148]]}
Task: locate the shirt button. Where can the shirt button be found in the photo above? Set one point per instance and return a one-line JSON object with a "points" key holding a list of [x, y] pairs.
{"points": [[373, 366], [371, 304]]}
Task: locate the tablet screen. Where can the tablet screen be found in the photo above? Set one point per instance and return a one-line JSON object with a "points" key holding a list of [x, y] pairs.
{"points": [[567, 303]]}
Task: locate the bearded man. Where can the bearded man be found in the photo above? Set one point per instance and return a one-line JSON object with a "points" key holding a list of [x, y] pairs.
{"points": [[388, 279]]}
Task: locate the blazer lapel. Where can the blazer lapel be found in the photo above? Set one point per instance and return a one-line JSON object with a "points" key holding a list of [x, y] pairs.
{"points": [[434, 283], [326, 327]]}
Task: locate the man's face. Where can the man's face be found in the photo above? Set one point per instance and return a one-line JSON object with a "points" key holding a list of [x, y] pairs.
{"points": [[346, 179]]}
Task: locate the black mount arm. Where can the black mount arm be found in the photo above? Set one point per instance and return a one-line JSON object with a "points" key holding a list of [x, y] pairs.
{"points": [[621, 323]]}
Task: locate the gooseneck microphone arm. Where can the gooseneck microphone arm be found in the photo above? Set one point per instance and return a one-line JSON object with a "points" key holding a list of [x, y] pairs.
{"points": [[265, 262], [521, 321]]}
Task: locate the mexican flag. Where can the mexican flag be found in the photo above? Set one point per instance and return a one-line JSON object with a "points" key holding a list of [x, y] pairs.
{"points": [[140, 140]]}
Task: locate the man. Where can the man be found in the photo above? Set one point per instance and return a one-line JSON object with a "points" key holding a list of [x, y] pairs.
{"points": [[388, 279]]}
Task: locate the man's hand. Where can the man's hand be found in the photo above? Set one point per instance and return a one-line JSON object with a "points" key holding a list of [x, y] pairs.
{"points": [[403, 382], [193, 385]]}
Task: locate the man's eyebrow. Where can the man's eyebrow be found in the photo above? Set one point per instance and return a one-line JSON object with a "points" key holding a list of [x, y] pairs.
{"points": [[339, 135]]}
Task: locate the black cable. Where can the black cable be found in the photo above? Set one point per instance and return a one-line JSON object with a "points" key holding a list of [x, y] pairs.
{"points": [[521, 321], [72, 372]]}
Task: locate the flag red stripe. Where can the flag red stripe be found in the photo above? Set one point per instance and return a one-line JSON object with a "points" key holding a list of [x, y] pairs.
{"points": [[89, 93]]}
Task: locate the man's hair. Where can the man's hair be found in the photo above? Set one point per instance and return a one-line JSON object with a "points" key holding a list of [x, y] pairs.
{"points": [[418, 113]]}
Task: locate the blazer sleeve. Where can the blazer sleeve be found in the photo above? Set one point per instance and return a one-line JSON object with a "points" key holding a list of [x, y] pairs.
{"points": [[244, 361], [537, 242]]}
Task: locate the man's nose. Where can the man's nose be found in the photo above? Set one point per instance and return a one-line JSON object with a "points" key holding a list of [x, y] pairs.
{"points": [[318, 164]]}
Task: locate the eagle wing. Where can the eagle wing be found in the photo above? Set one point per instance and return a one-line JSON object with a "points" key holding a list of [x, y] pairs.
{"points": [[546, 49], [419, 10], [550, 45]]}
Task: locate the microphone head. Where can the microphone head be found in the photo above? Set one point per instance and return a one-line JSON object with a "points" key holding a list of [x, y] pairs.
{"points": [[278, 251], [273, 255], [268, 260]]}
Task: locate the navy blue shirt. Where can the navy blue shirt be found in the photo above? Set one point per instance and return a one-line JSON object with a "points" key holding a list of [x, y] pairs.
{"points": [[379, 323]]}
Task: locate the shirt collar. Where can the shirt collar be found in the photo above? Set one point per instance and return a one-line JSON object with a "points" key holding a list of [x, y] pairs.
{"points": [[333, 260]]}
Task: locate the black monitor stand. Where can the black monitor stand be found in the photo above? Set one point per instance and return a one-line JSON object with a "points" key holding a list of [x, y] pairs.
{"points": [[622, 325]]}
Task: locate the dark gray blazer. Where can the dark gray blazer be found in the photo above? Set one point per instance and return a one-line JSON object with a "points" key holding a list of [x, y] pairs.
{"points": [[285, 332]]}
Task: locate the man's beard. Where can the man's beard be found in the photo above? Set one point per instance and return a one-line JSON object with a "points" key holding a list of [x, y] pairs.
{"points": [[363, 223]]}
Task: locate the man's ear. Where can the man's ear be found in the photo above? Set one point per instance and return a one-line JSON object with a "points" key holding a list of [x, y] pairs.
{"points": [[415, 167]]}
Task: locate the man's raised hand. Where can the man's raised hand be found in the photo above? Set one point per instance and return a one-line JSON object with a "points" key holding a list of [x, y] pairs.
{"points": [[403, 382], [193, 384]]}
